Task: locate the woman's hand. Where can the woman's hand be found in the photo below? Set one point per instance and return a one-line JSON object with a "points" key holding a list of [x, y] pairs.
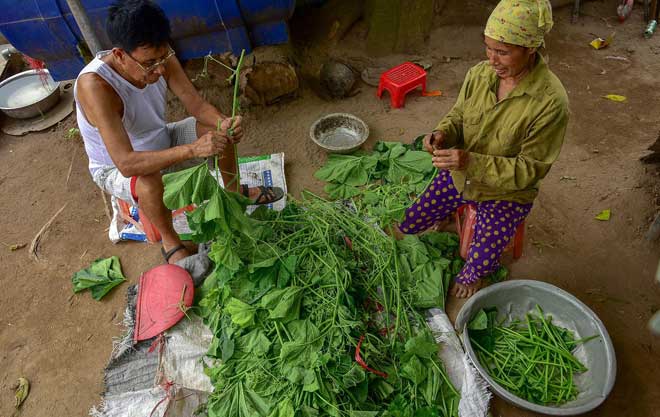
{"points": [[453, 159], [433, 141]]}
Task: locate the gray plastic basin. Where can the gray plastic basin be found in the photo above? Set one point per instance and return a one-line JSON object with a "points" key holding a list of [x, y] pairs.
{"points": [[514, 299], [339, 132]]}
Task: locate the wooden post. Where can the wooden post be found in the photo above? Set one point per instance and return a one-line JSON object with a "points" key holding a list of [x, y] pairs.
{"points": [[398, 25], [82, 19]]}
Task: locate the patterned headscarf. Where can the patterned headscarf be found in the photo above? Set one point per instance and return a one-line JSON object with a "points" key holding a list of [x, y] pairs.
{"points": [[520, 22]]}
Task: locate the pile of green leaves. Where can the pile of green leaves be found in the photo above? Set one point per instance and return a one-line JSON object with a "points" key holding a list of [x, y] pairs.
{"points": [[288, 308], [383, 183], [101, 277], [532, 359], [294, 293]]}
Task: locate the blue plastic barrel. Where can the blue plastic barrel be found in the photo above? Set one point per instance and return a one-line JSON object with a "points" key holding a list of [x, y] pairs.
{"points": [[46, 29]]}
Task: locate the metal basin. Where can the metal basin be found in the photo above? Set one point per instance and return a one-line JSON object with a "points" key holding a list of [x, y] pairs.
{"points": [[26, 95], [339, 132], [515, 298]]}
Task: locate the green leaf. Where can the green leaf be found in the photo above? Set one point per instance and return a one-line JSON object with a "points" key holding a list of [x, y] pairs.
{"points": [[274, 270], [479, 322], [441, 240], [353, 377], [356, 413], [223, 252], [347, 169], [340, 191], [242, 314], [283, 304], [411, 167], [189, 186], [500, 275], [382, 389], [283, 409], [428, 289], [287, 270], [414, 370], [604, 215], [303, 350], [307, 411], [255, 342], [22, 391], [294, 374], [256, 403], [422, 346], [414, 250], [399, 407], [432, 385], [101, 277], [427, 412], [310, 381], [389, 150]]}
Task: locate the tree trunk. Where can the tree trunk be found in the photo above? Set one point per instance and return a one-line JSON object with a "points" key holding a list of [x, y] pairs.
{"points": [[398, 25]]}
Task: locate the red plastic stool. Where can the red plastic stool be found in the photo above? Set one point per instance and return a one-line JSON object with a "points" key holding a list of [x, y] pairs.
{"points": [[401, 80], [466, 218], [143, 223]]}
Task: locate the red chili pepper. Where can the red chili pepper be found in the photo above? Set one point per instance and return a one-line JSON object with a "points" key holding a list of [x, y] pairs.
{"points": [[348, 242], [362, 363]]}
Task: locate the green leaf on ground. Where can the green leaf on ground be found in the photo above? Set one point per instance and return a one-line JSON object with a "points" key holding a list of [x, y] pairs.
{"points": [[604, 215], [101, 277]]}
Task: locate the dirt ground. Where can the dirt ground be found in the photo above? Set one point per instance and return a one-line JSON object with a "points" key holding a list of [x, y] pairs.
{"points": [[61, 342]]}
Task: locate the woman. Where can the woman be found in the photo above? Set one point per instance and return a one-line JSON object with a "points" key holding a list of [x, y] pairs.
{"points": [[498, 141]]}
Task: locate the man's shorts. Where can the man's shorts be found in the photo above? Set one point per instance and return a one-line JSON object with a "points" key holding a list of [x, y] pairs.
{"points": [[110, 180]]}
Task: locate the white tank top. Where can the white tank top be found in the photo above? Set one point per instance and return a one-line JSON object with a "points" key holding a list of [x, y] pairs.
{"points": [[143, 118]]}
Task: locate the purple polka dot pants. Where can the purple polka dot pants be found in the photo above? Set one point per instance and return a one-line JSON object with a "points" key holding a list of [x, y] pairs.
{"points": [[495, 226]]}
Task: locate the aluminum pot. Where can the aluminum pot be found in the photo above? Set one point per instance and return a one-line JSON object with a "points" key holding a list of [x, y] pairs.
{"points": [[26, 95]]}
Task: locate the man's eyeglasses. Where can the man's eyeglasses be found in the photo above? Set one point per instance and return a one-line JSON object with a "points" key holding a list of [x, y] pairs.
{"points": [[155, 65]]}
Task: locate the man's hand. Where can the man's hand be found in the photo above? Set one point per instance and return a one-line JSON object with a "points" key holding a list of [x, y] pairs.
{"points": [[210, 144], [233, 124], [433, 141], [454, 159]]}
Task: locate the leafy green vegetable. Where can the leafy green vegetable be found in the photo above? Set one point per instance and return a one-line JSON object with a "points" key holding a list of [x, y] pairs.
{"points": [[288, 306], [242, 314], [347, 169], [531, 359], [101, 277], [479, 322], [341, 191], [283, 304], [382, 184]]}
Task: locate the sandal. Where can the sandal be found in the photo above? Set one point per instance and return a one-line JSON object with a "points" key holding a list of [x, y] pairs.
{"points": [[268, 195], [168, 254]]}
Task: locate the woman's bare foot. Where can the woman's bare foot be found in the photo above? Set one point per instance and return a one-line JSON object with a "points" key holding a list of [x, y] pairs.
{"points": [[466, 290]]}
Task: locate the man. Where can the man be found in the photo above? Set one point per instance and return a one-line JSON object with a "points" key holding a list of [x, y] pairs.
{"points": [[120, 103]]}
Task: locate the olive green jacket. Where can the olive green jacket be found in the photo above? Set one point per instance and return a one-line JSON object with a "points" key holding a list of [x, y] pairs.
{"points": [[512, 143]]}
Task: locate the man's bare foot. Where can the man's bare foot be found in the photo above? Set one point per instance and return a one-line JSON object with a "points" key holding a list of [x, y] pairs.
{"points": [[466, 290], [174, 252]]}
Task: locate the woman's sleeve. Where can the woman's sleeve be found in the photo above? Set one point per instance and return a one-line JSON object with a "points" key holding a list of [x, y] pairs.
{"points": [[452, 124], [538, 152]]}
